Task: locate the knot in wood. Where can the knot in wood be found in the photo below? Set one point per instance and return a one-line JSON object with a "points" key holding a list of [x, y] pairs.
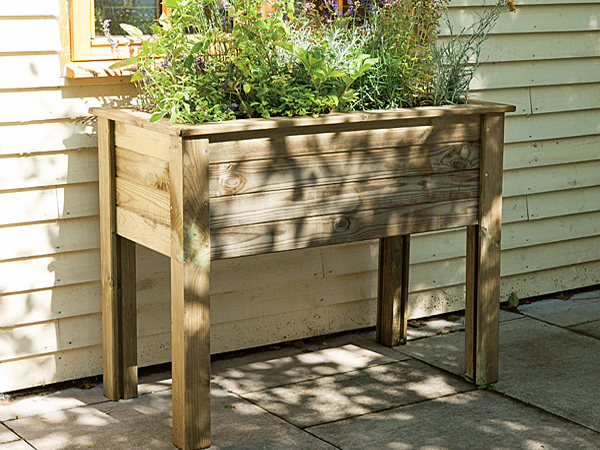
{"points": [[341, 224], [231, 182]]}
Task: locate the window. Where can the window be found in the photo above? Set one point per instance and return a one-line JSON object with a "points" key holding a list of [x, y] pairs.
{"points": [[88, 42]]}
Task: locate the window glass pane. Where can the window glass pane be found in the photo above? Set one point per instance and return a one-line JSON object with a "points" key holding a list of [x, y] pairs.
{"points": [[139, 13]]}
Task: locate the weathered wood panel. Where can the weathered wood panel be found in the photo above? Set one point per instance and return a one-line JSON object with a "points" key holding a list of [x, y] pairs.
{"points": [[149, 202], [338, 229], [347, 198], [286, 173]]}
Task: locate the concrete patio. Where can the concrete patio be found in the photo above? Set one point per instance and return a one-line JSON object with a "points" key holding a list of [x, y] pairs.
{"points": [[347, 392]]}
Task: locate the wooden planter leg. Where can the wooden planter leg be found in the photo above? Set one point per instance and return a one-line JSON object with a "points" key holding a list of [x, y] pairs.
{"points": [[392, 290], [119, 321], [190, 293], [483, 261]]}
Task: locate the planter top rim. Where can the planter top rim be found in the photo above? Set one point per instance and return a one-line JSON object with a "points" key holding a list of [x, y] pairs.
{"points": [[141, 119]]}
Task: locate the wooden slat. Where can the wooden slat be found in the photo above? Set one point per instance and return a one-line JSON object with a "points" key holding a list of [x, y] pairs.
{"points": [[286, 173], [190, 293], [144, 231], [146, 201], [112, 355], [135, 118], [472, 268], [337, 229], [43, 170], [552, 125], [538, 18], [151, 143], [536, 73], [128, 317], [547, 99], [142, 169], [553, 152], [269, 144], [485, 290], [366, 119], [563, 203], [392, 290], [562, 177], [338, 199]]}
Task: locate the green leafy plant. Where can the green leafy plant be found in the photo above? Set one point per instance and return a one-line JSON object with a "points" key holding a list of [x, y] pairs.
{"points": [[212, 60]]}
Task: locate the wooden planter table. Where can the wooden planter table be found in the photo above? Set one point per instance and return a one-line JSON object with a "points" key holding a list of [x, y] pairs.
{"points": [[198, 193]]}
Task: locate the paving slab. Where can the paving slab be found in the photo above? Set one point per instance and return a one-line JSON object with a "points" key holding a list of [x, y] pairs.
{"points": [[540, 364], [16, 445], [351, 394], [445, 351], [552, 368], [590, 329], [7, 435], [472, 420], [260, 375], [145, 423], [564, 313]]}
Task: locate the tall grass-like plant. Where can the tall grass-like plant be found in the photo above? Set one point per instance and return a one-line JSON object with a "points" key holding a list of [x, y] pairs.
{"points": [[455, 62]]}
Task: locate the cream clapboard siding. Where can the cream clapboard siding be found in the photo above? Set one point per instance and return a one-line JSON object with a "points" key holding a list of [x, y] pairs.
{"points": [[545, 59]]}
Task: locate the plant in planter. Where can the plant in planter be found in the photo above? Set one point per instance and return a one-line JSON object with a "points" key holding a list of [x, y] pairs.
{"points": [[326, 174], [215, 60]]}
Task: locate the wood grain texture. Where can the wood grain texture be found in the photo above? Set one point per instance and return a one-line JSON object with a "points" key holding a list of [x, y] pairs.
{"points": [[253, 176], [109, 263], [392, 290], [487, 285], [142, 169], [338, 229], [190, 294], [128, 317], [151, 143], [320, 140], [470, 300], [144, 231], [350, 120], [348, 198], [149, 202]]}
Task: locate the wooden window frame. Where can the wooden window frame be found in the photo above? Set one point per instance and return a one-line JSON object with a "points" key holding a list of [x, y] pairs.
{"points": [[85, 45]]}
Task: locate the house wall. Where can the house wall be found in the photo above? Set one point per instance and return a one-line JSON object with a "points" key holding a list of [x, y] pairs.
{"points": [[545, 59]]}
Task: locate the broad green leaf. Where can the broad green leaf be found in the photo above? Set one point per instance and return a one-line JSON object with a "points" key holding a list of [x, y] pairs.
{"points": [[197, 47], [131, 30], [247, 88], [170, 3], [136, 76], [157, 116], [123, 63], [513, 300], [189, 60]]}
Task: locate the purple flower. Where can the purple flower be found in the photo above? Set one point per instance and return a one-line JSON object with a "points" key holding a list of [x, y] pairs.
{"points": [[199, 65], [106, 29], [167, 62], [231, 106]]}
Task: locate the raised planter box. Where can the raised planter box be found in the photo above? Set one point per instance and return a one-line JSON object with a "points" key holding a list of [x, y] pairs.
{"points": [[197, 193]]}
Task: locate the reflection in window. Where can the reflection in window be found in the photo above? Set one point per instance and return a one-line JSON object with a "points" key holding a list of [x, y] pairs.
{"points": [[139, 13]]}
